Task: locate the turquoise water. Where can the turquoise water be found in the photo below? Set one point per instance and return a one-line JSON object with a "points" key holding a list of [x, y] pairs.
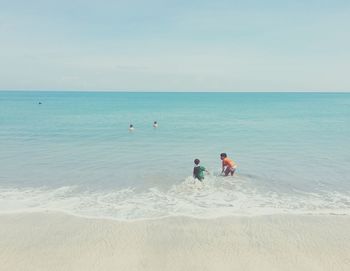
{"points": [[74, 153]]}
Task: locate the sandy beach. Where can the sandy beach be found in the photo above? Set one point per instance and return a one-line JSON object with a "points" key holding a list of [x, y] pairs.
{"points": [[55, 241]]}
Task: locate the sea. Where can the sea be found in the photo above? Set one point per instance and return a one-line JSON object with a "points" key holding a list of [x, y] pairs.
{"points": [[72, 152]]}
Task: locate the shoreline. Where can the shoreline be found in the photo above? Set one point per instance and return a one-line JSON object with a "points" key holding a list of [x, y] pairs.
{"points": [[52, 212], [58, 241]]}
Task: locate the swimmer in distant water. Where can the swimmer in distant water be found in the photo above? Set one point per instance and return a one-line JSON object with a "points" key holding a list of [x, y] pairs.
{"points": [[198, 171], [131, 128], [39, 102], [155, 124], [228, 166]]}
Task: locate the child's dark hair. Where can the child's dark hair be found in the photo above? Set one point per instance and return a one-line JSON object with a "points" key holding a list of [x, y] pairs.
{"points": [[223, 154], [197, 161]]}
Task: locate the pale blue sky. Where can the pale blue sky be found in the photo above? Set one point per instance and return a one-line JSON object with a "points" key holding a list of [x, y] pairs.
{"points": [[175, 45]]}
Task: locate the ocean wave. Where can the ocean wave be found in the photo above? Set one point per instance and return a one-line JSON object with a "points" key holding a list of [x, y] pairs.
{"points": [[215, 197]]}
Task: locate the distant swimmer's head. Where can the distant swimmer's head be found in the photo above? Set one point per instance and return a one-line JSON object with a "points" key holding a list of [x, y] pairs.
{"points": [[223, 156], [197, 161], [131, 127], [155, 124], [39, 102]]}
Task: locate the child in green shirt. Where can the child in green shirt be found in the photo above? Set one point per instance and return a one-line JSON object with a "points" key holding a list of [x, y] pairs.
{"points": [[198, 171]]}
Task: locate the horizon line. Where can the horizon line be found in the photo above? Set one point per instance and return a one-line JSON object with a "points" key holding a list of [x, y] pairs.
{"points": [[175, 91]]}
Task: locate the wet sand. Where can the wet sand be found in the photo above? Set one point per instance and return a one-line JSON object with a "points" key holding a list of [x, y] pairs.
{"points": [[55, 241]]}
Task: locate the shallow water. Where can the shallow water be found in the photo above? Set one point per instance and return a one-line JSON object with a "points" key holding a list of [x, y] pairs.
{"points": [[74, 153]]}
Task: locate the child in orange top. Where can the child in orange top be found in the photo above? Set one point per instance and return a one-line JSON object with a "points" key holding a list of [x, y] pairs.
{"points": [[228, 166]]}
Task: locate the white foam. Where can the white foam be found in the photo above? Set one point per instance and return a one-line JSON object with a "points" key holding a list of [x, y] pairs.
{"points": [[214, 197]]}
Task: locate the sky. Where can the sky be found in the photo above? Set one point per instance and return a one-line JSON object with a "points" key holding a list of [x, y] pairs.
{"points": [[153, 45]]}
